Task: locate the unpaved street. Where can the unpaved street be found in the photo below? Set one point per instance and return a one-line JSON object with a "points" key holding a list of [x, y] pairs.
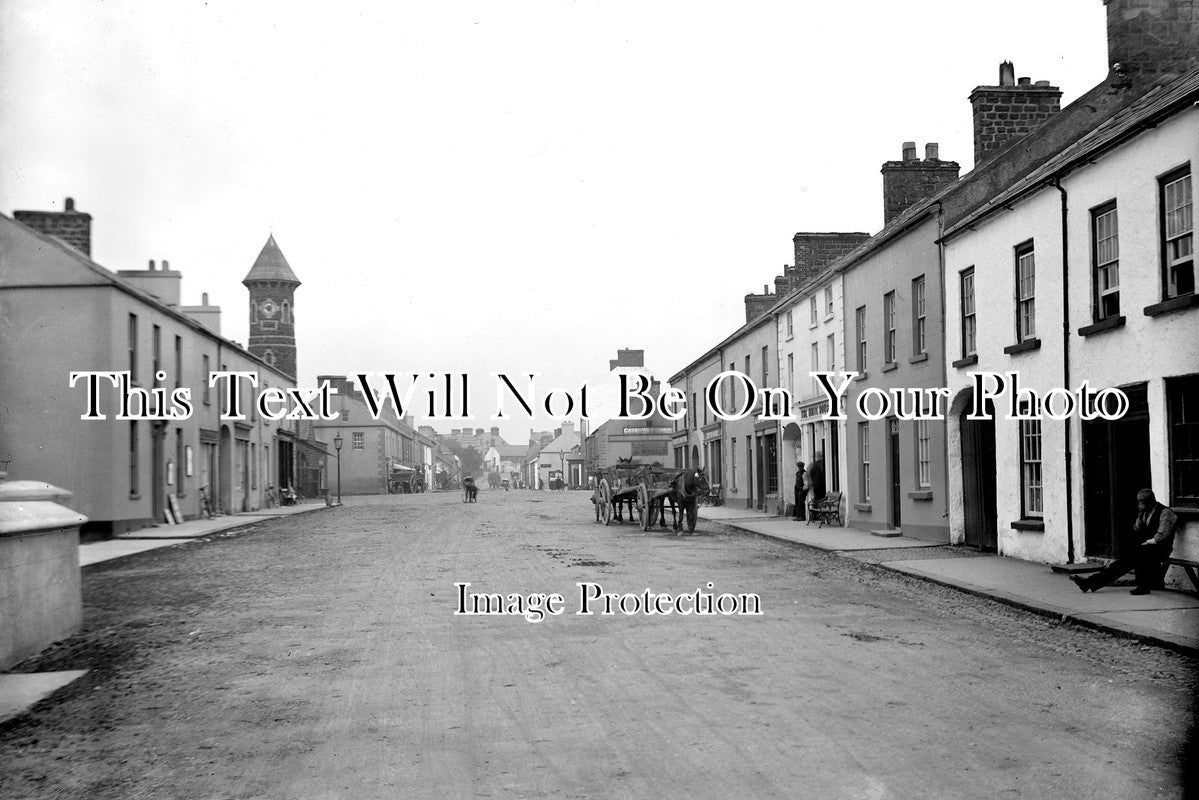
{"points": [[319, 657]]}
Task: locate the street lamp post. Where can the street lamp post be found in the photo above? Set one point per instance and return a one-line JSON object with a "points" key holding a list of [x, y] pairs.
{"points": [[337, 443]]}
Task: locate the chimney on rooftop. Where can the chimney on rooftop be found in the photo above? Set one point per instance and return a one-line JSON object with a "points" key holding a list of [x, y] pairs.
{"points": [[758, 304], [1007, 112], [71, 226], [1152, 36], [911, 181], [161, 283], [206, 315], [815, 251]]}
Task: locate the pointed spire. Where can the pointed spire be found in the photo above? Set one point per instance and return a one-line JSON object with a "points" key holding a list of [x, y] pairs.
{"points": [[271, 265]]}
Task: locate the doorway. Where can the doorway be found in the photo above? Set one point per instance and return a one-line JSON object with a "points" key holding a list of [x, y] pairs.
{"points": [[896, 483], [978, 479], [1115, 461]]}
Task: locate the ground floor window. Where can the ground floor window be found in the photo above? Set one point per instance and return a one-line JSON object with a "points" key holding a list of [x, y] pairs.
{"points": [[1030, 468], [733, 462], [923, 455], [1182, 399], [864, 459]]}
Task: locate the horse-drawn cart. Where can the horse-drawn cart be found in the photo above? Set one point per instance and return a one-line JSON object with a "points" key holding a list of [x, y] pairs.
{"points": [[644, 490]]}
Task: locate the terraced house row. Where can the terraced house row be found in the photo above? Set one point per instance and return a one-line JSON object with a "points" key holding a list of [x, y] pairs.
{"points": [[1066, 254]]}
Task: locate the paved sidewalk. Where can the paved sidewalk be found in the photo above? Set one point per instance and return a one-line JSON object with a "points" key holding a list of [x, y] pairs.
{"points": [[1166, 618], [168, 535]]}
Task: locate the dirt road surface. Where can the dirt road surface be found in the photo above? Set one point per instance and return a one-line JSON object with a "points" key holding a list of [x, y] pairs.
{"points": [[319, 657]]}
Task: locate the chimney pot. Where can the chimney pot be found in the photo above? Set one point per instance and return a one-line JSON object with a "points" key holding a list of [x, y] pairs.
{"points": [[204, 299], [909, 151], [1041, 83], [69, 204], [1007, 74], [166, 264], [932, 152], [766, 288], [151, 267], [1025, 82]]}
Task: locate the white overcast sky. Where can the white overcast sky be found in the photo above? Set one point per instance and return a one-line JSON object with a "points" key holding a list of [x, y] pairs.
{"points": [[497, 186]]}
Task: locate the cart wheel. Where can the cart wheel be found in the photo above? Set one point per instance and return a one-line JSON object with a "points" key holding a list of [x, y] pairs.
{"points": [[644, 512], [605, 502], [595, 501], [692, 516]]}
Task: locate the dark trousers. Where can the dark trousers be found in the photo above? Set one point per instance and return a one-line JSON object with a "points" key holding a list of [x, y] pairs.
{"points": [[1148, 561], [800, 507]]}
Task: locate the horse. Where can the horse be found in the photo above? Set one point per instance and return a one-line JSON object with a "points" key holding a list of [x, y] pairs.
{"points": [[470, 492], [685, 490]]}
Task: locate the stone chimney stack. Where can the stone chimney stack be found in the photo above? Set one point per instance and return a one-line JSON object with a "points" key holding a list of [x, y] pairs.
{"points": [[815, 251], [162, 283], [1005, 113], [910, 181], [1146, 37], [206, 315], [758, 304], [71, 226]]}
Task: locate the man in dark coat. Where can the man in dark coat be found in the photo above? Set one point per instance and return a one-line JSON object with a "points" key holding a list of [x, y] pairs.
{"points": [[816, 490], [1154, 526], [801, 492]]}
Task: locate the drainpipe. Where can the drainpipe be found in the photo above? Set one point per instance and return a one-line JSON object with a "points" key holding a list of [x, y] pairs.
{"points": [[1057, 184], [944, 357]]}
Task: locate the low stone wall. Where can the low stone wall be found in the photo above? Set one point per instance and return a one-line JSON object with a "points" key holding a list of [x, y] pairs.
{"points": [[40, 594]]}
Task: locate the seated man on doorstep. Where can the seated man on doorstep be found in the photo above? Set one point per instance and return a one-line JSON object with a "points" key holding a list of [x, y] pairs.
{"points": [[1155, 522]]}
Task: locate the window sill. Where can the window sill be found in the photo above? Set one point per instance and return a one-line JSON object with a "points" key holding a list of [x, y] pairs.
{"points": [[829, 318], [918, 358], [968, 361], [1111, 323], [1022, 347], [864, 508], [863, 375], [790, 336], [890, 367], [1179, 303], [923, 494], [135, 495], [1031, 525]]}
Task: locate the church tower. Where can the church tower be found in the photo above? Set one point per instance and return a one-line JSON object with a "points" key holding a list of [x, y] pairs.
{"points": [[272, 287]]}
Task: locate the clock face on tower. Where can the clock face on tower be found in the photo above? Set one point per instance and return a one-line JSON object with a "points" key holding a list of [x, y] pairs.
{"points": [[268, 308]]}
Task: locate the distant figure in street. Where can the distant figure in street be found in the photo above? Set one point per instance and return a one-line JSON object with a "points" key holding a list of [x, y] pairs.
{"points": [[815, 479], [470, 492], [801, 492], [1154, 526]]}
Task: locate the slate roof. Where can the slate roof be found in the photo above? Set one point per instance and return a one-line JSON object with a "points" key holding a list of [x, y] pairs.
{"points": [[271, 265]]}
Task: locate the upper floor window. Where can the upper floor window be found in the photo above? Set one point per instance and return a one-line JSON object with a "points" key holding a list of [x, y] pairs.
{"points": [[812, 308], [889, 327], [860, 329], [815, 366], [156, 343], [918, 316], [1026, 284], [205, 375], [968, 319], [1178, 226], [791, 372], [1105, 244], [790, 323], [828, 301], [765, 367], [832, 352], [133, 348], [358, 440]]}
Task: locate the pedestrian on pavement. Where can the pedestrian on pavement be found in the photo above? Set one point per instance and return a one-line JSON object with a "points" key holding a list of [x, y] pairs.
{"points": [[1154, 527], [801, 492], [815, 479]]}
